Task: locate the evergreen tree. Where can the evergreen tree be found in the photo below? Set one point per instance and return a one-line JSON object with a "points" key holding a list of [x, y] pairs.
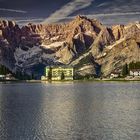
{"points": [[4, 70], [49, 75], [133, 65], [125, 70], [32, 76], [62, 76]]}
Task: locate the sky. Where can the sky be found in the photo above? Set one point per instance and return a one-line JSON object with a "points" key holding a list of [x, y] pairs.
{"points": [[50, 11]]}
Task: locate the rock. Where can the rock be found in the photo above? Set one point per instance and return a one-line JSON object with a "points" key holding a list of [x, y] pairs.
{"points": [[118, 31], [65, 54], [11, 24]]}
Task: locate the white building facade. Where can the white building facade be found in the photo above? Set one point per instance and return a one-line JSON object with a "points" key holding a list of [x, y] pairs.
{"points": [[135, 72]]}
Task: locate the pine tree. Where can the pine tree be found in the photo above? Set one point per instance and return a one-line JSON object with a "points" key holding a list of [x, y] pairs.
{"points": [[125, 70], [32, 76], [62, 76], [49, 75]]}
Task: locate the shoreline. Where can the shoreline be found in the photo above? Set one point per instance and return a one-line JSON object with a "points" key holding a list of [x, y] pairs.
{"points": [[74, 81]]}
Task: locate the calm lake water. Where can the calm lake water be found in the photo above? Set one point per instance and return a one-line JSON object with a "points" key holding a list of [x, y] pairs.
{"points": [[70, 111]]}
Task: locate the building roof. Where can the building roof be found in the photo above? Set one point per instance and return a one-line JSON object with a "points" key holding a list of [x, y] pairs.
{"points": [[61, 66], [135, 70]]}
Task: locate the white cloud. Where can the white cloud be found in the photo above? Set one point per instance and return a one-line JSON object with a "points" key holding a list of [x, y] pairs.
{"points": [[112, 18], [26, 21], [68, 9], [113, 14], [30, 20], [103, 4], [97, 15], [13, 10]]}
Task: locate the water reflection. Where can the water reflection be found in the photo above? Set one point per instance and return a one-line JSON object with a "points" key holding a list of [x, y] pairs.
{"points": [[70, 111]]}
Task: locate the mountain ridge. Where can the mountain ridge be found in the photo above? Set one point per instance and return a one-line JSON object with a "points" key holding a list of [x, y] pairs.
{"points": [[102, 49]]}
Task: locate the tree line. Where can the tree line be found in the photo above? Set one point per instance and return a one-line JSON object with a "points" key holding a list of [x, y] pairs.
{"points": [[23, 76], [18, 74], [4, 70], [127, 67]]}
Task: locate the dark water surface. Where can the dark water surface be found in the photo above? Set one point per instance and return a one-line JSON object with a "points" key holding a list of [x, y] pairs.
{"points": [[70, 111]]}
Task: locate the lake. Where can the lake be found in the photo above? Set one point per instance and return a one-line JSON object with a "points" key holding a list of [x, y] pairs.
{"points": [[70, 111]]}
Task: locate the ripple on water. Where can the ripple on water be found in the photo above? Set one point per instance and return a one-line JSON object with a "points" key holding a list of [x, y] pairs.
{"points": [[71, 111]]}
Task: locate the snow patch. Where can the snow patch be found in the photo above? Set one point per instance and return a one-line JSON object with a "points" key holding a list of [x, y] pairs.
{"points": [[29, 56], [55, 38], [117, 42], [88, 33], [53, 45], [138, 25], [86, 67], [76, 36]]}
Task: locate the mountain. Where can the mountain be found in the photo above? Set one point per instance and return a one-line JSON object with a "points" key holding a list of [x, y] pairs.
{"points": [[86, 44]]}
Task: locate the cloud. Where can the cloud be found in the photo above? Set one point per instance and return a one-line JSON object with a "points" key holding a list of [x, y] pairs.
{"points": [[26, 21], [103, 4], [107, 19], [13, 10], [117, 18], [53, 18], [68, 9], [113, 14]]}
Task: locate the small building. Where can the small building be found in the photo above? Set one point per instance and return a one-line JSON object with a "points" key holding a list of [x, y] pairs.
{"points": [[135, 72], [9, 77], [44, 78], [114, 75], [2, 77], [58, 73]]}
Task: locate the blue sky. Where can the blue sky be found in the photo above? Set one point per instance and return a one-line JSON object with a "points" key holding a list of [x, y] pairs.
{"points": [[48, 11]]}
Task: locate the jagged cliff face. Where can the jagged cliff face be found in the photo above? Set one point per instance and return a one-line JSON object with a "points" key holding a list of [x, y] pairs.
{"points": [[86, 44], [124, 49], [46, 44], [7, 43]]}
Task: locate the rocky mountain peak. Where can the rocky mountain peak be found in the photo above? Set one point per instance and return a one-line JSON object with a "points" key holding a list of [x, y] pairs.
{"points": [[86, 24], [3, 23], [6, 23], [80, 17], [11, 24]]}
